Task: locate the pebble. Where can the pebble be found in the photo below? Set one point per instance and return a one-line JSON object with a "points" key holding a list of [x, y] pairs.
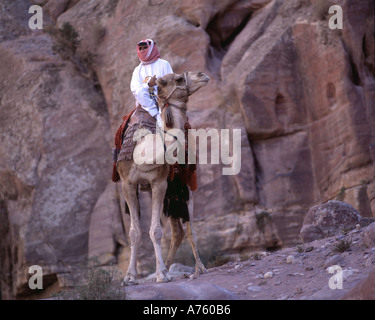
{"points": [[299, 290], [254, 288], [309, 249], [290, 259], [237, 266], [268, 275], [331, 261], [368, 262], [349, 272]]}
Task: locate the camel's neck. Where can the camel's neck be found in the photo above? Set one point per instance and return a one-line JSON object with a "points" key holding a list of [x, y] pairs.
{"points": [[178, 110]]}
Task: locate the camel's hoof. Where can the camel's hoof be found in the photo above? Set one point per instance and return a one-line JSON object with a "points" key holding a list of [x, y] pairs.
{"points": [[202, 270], [198, 271], [129, 281], [164, 276]]}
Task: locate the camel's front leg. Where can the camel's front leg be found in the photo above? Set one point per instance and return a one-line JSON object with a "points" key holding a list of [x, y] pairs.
{"points": [[130, 194], [158, 193]]}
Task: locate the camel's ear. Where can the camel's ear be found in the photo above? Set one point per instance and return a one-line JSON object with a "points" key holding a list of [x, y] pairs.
{"points": [[161, 82]]}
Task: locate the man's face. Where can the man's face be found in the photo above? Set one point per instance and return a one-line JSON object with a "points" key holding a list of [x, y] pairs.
{"points": [[142, 46]]}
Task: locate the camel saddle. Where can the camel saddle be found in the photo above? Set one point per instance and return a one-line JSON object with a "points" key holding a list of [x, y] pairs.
{"points": [[124, 144]]}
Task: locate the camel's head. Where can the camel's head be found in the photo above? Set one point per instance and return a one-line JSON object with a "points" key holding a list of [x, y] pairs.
{"points": [[181, 86]]}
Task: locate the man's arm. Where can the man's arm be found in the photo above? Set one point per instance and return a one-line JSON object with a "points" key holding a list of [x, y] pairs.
{"points": [[141, 94]]}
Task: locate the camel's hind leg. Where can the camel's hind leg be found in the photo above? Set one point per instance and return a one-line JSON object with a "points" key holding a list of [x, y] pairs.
{"points": [[178, 234], [192, 237], [158, 193], [130, 194]]}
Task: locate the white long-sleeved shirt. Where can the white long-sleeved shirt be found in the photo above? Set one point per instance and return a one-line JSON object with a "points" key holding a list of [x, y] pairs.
{"points": [[140, 88]]}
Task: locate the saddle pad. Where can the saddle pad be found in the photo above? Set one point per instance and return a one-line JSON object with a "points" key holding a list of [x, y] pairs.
{"points": [[128, 143]]}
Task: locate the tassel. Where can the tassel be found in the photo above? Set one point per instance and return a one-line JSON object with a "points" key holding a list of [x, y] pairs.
{"points": [[168, 116], [193, 181], [178, 209]]}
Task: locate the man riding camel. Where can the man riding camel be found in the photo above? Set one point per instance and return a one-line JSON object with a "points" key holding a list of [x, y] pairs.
{"points": [[144, 88], [143, 82]]}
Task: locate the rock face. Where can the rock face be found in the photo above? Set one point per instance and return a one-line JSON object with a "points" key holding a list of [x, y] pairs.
{"points": [[54, 154], [106, 230], [365, 290], [301, 93], [329, 219], [369, 235]]}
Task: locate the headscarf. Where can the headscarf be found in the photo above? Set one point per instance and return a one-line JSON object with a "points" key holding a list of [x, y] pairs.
{"points": [[149, 55]]}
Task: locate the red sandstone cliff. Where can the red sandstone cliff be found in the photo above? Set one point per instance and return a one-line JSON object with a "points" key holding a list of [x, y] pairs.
{"points": [[302, 94]]}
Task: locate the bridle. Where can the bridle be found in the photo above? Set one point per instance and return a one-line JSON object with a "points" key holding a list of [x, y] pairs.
{"points": [[186, 87], [175, 87], [166, 103]]}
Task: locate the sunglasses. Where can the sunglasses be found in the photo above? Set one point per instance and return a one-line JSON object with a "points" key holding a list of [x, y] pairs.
{"points": [[144, 45]]}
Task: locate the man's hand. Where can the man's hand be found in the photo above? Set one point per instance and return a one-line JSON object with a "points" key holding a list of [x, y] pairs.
{"points": [[152, 81]]}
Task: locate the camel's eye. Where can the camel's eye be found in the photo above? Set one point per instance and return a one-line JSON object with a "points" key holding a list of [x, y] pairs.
{"points": [[179, 80]]}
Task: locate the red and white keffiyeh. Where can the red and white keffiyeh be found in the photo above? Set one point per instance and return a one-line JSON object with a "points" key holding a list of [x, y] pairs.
{"points": [[149, 55]]}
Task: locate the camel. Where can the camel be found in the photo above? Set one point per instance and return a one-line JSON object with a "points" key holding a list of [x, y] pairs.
{"points": [[173, 94]]}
